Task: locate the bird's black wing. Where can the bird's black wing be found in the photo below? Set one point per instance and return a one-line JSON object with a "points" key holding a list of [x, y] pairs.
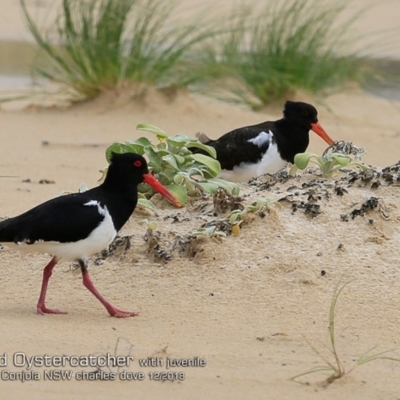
{"points": [[62, 219], [241, 145]]}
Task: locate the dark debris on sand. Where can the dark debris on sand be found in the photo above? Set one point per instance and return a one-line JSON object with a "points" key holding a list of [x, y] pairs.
{"points": [[163, 246], [267, 181], [308, 194], [118, 248], [224, 202]]}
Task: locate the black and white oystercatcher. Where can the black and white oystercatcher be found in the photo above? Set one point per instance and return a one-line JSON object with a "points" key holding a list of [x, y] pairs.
{"points": [[251, 151], [78, 225]]}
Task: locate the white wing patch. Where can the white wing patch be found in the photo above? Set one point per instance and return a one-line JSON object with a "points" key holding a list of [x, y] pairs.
{"points": [[102, 211], [261, 138]]}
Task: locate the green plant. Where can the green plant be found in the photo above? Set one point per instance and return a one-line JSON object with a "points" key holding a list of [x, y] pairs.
{"points": [[175, 166], [336, 367], [151, 225], [258, 205], [209, 232], [96, 45], [328, 163], [283, 47], [236, 216]]}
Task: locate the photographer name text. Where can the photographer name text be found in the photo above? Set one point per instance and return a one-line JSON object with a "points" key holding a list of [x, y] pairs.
{"points": [[107, 367]]}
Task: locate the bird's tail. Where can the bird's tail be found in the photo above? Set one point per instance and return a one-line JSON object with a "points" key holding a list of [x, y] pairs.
{"points": [[202, 138], [4, 232]]}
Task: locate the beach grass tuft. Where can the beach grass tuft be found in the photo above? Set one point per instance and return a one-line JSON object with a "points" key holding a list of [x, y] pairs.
{"points": [[285, 47], [334, 364], [97, 45], [253, 56]]}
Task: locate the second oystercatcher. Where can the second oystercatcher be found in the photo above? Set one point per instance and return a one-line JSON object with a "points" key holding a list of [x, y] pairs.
{"points": [[251, 151], [78, 225]]}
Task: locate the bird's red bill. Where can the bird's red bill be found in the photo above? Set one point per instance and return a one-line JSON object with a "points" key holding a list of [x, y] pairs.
{"points": [[320, 131], [153, 182]]}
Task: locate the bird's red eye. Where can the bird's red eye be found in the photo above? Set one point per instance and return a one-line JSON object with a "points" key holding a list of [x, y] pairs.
{"points": [[137, 163], [305, 113]]}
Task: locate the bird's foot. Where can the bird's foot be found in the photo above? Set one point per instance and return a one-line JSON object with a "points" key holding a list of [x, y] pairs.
{"points": [[42, 310], [115, 312]]}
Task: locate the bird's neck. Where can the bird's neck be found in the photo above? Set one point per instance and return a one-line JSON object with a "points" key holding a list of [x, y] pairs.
{"points": [[121, 201], [293, 138]]}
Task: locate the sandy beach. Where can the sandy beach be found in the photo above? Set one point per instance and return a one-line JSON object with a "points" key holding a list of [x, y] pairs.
{"points": [[241, 311]]}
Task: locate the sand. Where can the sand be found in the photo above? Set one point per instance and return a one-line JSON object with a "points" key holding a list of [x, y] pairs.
{"points": [[246, 306]]}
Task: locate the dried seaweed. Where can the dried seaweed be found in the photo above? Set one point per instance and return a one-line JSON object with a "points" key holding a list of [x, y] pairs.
{"points": [[347, 148], [224, 202]]}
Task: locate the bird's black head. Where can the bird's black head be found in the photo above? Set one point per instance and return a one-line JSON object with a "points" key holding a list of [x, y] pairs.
{"points": [[127, 168], [300, 113], [304, 116]]}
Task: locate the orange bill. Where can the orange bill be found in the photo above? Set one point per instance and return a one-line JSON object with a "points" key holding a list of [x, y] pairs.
{"points": [[320, 131], [153, 182]]}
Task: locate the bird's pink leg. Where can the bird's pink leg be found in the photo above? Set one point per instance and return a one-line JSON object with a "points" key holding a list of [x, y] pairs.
{"points": [[113, 311], [47, 272]]}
